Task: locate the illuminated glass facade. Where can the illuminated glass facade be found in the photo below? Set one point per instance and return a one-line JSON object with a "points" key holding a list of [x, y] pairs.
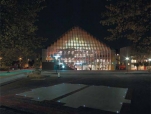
{"points": [[80, 50]]}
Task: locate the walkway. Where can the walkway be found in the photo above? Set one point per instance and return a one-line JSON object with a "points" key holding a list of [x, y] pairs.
{"points": [[79, 92], [6, 77]]}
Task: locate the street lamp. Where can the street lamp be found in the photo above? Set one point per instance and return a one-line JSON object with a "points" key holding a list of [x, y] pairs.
{"points": [[56, 62], [149, 64], [0, 61], [20, 61], [127, 58], [20, 58], [28, 63]]}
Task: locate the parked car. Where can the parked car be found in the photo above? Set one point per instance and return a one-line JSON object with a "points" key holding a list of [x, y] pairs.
{"points": [[122, 67]]}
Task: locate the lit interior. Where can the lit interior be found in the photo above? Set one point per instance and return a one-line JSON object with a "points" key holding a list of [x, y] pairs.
{"points": [[80, 50]]}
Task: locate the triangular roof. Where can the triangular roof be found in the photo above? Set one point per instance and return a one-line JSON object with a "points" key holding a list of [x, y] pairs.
{"points": [[79, 36]]}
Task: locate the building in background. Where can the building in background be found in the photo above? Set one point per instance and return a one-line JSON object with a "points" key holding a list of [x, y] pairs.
{"points": [[79, 50], [134, 60]]}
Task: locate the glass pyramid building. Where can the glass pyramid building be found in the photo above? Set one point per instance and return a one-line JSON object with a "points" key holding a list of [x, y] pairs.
{"points": [[80, 50]]}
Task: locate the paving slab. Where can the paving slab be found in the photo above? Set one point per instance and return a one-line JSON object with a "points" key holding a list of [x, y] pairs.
{"points": [[87, 99], [97, 97], [51, 92]]}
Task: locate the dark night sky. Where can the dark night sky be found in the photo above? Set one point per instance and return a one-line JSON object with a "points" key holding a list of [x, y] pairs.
{"points": [[61, 15]]}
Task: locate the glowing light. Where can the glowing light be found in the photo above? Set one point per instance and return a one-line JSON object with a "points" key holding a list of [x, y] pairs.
{"points": [[20, 58], [78, 63], [57, 56], [78, 45], [60, 63], [127, 58]]}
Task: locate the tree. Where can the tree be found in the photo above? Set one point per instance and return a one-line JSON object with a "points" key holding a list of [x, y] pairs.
{"points": [[37, 63], [17, 36], [10, 55], [129, 19], [139, 57]]}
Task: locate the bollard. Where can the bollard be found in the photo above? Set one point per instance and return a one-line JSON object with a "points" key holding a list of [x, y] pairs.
{"points": [[58, 74]]}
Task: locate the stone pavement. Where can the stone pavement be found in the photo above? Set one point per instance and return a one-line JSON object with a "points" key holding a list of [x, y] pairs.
{"points": [[79, 92], [14, 72], [6, 77], [7, 110]]}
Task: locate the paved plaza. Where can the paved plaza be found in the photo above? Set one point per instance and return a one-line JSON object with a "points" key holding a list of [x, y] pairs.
{"points": [[13, 75], [77, 92]]}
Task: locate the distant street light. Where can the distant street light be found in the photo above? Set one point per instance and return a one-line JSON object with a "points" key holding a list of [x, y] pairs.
{"points": [[149, 64], [63, 66], [127, 58], [149, 61], [56, 62], [20, 61], [0, 61], [20, 58]]}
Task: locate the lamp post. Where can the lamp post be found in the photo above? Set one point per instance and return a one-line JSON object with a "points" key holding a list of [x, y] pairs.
{"points": [[149, 64], [20, 61], [56, 61], [28, 63], [0, 62], [127, 58], [149, 61]]}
